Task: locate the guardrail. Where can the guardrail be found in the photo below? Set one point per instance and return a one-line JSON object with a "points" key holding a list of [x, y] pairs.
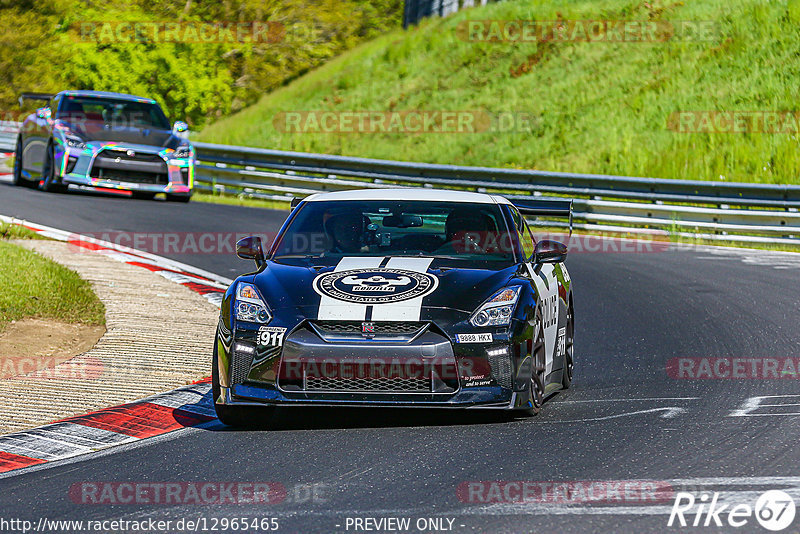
{"points": [[726, 211], [8, 135], [686, 208]]}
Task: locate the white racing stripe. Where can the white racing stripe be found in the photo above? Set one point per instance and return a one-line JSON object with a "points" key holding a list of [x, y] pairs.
{"points": [[332, 309], [407, 310]]}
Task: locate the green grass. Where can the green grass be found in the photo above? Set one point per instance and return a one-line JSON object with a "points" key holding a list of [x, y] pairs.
{"points": [[15, 231], [240, 200], [34, 286], [596, 107]]}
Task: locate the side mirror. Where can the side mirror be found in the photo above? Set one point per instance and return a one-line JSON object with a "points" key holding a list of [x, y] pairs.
{"points": [[180, 127], [43, 113], [548, 251], [250, 248]]}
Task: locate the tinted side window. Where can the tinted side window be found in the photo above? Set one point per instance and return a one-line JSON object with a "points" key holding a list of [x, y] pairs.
{"points": [[527, 242]]}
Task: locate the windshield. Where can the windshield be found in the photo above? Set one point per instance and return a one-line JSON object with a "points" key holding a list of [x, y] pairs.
{"points": [[456, 234], [115, 113]]}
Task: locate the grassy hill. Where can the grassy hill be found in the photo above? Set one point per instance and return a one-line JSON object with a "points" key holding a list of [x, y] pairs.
{"points": [[602, 107]]}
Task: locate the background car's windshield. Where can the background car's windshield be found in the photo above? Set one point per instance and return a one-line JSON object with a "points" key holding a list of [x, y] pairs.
{"points": [[116, 113], [323, 232]]}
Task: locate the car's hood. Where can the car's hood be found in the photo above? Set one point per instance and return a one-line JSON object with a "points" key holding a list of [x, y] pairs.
{"points": [[402, 292], [98, 131]]}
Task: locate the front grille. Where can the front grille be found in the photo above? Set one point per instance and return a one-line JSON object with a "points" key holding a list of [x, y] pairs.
{"points": [[383, 385], [119, 175], [122, 155], [141, 168], [332, 330]]}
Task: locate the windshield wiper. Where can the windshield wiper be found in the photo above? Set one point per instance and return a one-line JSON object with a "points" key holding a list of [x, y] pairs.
{"points": [[298, 256]]}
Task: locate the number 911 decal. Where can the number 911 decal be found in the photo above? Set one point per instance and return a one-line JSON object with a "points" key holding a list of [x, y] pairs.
{"points": [[271, 336]]}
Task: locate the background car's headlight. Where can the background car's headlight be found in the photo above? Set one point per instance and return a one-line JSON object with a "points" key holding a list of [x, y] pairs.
{"points": [[75, 142], [249, 306], [183, 151], [496, 311]]}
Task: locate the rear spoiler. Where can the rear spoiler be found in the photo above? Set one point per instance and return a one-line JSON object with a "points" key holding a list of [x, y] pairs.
{"points": [[555, 207], [34, 96]]}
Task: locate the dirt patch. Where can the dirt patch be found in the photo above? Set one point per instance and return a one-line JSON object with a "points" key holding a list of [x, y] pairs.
{"points": [[35, 345]]}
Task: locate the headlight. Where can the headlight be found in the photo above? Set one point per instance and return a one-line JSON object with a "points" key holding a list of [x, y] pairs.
{"points": [[183, 151], [75, 142], [496, 311], [249, 306]]}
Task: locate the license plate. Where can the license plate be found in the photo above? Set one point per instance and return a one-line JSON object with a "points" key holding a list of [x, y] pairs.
{"points": [[474, 338]]}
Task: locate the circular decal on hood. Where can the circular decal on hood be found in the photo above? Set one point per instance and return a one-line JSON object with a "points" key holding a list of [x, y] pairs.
{"points": [[375, 286]]}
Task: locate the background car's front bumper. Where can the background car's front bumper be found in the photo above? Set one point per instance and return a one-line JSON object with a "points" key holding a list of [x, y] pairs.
{"points": [[107, 165]]}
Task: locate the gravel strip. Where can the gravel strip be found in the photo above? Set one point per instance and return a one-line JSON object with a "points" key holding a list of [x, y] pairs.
{"points": [[159, 336]]}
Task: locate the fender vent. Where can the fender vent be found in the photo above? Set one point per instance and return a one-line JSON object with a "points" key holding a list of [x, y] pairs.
{"points": [[501, 369], [241, 362]]}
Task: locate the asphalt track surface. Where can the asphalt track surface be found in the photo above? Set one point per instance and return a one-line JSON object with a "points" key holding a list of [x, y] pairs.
{"points": [[624, 418]]}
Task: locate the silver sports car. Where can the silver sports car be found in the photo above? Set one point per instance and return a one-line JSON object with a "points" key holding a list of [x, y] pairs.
{"points": [[104, 140]]}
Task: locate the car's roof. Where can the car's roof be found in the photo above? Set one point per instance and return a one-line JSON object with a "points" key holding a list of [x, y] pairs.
{"points": [[420, 194], [107, 94]]}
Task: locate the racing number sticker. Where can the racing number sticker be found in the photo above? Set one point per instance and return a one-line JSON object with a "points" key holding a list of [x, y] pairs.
{"points": [[562, 341], [271, 336]]}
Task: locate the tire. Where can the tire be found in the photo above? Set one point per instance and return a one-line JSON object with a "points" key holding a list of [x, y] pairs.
{"points": [[569, 359], [17, 178], [236, 416], [536, 384], [178, 198], [49, 183], [141, 195]]}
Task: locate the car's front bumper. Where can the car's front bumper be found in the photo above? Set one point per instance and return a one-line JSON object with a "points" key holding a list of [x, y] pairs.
{"points": [[98, 166], [460, 375]]}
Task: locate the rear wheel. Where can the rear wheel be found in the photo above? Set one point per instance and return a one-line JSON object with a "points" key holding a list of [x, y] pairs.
{"points": [[141, 195], [236, 416], [49, 175], [566, 375], [536, 386]]}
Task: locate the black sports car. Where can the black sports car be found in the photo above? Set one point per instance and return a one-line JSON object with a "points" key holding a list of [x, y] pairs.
{"points": [[397, 298], [106, 140]]}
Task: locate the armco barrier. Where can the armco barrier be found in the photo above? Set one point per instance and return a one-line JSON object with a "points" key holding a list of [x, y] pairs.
{"points": [[728, 211]]}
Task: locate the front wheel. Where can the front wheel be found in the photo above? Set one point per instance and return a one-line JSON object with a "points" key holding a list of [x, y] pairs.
{"points": [[142, 195], [536, 385], [49, 182], [17, 178], [236, 416], [178, 198]]}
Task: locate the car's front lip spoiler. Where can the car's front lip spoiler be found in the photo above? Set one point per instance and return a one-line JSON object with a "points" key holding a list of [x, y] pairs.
{"points": [[227, 398], [72, 179]]}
